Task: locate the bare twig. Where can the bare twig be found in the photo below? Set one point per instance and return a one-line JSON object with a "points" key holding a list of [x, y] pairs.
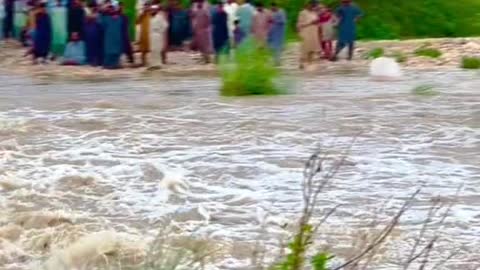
{"points": [[325, 218], [431, 213], [450, 256], [383, 235]]}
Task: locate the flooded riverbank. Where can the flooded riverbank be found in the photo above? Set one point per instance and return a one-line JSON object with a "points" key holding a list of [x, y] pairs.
{"points": [[186, 63], [92, 154]]}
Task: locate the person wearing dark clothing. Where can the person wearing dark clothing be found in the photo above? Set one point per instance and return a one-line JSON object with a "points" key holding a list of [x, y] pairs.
{"points": [[112, 39], [93, 36], [43, 34], [348, 14], [220, 31], [9, 7], [76, 18], [180, 26]]}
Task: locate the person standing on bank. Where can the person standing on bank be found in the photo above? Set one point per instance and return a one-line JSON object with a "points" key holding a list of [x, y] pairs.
{"points": [[307, 26], [328, 21], [76, 18], [158, 37], [93, 39], [276, 36], [9, 9], [261, 25], [245, 13], [202, 31], [59, 25], [42, 38], [113, 38], [220, 31], [144, 42], [348, 15], [231, 8]]}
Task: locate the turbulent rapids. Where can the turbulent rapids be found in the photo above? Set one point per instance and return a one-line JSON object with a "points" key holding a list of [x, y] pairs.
{"points": [[94, 169]]}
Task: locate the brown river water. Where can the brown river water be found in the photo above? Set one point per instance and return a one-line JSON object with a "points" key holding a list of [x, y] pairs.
{"points": [[79, 157]]}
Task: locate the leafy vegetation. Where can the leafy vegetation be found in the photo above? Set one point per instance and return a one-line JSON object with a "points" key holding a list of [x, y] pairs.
{"points": [[428, 52], [298, 247], [251, 73], [375, 53], [471, 63], [404, 19], [413, 18]]}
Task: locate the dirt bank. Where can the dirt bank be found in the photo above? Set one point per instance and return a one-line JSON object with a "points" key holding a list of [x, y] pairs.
{"points": [[12, 60]]}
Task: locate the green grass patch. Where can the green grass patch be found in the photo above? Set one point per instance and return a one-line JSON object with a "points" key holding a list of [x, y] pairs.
{"points": [[375, 53], [251, 73], [470, 63], [428, 52], [425, 90]]}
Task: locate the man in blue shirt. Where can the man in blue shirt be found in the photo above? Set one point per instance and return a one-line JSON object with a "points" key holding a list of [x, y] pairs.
{"points": [[348, 15]]}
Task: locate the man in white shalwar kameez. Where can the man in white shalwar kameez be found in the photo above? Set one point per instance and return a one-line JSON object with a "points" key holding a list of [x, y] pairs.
{"points": [[231, 8], [158, 37]]}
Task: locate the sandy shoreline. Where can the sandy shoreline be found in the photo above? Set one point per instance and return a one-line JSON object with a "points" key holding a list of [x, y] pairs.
{"points": [[12, 61]]}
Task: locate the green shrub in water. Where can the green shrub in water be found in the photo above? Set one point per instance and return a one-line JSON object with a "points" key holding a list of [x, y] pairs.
{"points": [[428, 52], [375, 53], [424, 90], [471, 62], [251, 73]]}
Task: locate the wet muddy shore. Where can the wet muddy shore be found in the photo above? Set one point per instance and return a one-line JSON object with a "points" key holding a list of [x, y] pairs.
{"points": [[12, 60]]}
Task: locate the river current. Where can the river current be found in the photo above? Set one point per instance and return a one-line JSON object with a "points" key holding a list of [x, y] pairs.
{"points": [[96, 152]]}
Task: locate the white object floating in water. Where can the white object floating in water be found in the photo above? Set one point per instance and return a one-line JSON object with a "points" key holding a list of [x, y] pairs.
{"points": [[385, 67], [173, 182]]}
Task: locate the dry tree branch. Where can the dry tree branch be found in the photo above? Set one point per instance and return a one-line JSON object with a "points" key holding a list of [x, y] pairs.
{"points": [[325, 218], [383, 235], [442, 262], [431, 213], [426, 251], [311, 188]]}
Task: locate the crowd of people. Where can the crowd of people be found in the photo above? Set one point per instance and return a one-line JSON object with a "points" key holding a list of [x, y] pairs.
{"points": [[99, 33]]}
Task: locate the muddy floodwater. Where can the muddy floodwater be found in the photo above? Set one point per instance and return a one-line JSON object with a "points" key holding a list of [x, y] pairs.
{"points": [[95, 153]]}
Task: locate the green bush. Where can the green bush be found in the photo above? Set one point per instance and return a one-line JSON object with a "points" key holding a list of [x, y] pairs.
{"points": [[428, 52], [471, 63], [375, 53], [251, 73]]}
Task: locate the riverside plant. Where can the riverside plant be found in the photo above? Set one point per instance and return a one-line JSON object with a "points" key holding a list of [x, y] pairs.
{"points": [[251, 72], [470, 63], [375, 53], [428, 52]]}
